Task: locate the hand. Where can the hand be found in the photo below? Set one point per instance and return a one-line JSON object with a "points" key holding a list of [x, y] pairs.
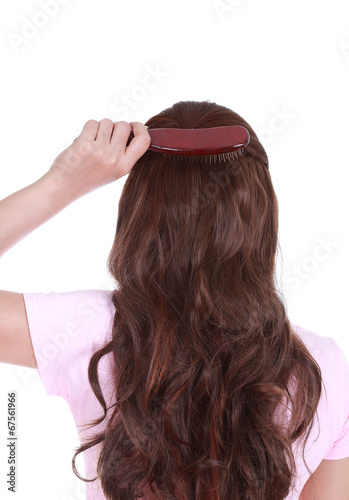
{"points": [[99, 155]]}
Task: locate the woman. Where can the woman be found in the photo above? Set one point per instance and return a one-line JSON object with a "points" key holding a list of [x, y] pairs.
{"points": [[188, 380]]}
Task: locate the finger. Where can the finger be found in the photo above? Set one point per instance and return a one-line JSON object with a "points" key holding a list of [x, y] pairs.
{"points": [[105, 130], [139, 144], [120, 136], [89, 130]]}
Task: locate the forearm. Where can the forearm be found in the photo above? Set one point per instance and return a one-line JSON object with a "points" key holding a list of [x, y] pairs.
{"points": [[99, 155], [25, 210]]}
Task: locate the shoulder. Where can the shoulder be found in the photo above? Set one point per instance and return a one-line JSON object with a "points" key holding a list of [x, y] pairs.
{"points": [[84, 306], [322, 348], [66, 328], [334, 366]]}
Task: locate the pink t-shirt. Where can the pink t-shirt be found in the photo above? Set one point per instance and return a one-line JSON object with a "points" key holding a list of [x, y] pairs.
{"points": [[67, 328]]}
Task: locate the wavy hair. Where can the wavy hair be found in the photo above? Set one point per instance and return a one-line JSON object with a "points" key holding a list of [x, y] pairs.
{"points": [[204, 354]]}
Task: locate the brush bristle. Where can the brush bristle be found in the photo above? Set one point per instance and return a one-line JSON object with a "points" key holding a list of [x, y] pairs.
{"points": [[218, 158]]}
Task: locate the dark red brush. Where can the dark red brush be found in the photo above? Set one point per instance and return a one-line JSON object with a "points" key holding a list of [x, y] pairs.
{"points": [[209, 145]]}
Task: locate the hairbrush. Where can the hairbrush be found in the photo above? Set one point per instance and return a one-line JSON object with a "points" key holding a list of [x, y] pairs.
{"points": [[210, 145]]}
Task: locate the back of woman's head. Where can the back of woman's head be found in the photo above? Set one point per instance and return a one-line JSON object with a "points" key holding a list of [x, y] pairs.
{"points": [[204, 352]]}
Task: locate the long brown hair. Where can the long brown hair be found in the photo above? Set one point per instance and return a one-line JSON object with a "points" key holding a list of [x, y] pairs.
{"points": [[204, 353]]}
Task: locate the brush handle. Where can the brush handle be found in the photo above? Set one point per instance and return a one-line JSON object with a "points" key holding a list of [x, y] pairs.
{"points": [[197, 141]]}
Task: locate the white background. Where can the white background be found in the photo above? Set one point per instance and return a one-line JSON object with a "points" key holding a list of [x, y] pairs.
{"points": [[261, 59]]}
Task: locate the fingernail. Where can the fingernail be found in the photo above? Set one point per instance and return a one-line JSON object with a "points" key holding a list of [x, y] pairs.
{"points": [[146, 126]]}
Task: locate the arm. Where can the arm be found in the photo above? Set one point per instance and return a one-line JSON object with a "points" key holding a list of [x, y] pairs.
{"points": [[27, 209], [329, 481], [45, 198], [84, 166], [97, 157]]}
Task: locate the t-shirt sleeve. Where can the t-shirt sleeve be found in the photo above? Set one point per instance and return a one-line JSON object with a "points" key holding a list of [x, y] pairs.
{"points": [[66, 328], [340, 448]]}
